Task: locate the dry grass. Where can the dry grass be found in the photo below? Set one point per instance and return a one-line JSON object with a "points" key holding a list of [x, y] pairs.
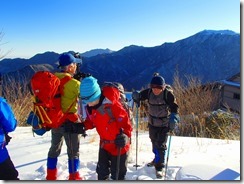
{"points": [[20, 99]]}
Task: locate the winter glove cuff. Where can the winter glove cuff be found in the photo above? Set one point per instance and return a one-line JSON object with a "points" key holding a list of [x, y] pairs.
{"points": [[173, 119]]}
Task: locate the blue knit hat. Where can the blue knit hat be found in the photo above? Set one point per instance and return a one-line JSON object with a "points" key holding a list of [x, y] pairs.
{"points": [[157, 80], [89, 89]]}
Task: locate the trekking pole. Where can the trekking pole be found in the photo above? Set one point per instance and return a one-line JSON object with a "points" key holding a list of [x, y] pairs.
{"points": [[118, 164], [166, 166], [137, 107], [118, 159], [72, 160]]}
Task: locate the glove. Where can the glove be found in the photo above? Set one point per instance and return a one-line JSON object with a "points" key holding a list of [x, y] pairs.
{"points": [[76, 128], [68, 127], [173, 119], [81, 75], [136, 97], [121, 140], [7, 139], [79, 128]]}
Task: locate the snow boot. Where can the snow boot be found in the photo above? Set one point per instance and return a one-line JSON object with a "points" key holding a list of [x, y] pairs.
{"points": [[51, 174], [74, 166], [75, 176]]}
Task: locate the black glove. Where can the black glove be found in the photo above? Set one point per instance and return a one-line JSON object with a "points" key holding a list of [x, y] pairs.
{"points": [[79, 128], [136, 97], [81, 75], [68, 127], [76, 128], [7, 139], [121, 140]]}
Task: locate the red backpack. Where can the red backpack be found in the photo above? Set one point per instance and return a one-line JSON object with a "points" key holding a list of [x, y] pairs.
{"points": [[122, 99], [47, 90]]}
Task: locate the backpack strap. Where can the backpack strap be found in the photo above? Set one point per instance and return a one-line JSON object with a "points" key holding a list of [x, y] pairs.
{"points": [[63, 81], [108, 110], [165, 95], [41, 111]]}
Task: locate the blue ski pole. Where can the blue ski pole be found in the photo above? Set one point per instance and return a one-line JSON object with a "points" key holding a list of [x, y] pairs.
{"points": [[137, 107]]}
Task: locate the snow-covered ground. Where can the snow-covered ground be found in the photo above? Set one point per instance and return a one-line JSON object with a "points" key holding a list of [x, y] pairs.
{"points": [[190, 158]]}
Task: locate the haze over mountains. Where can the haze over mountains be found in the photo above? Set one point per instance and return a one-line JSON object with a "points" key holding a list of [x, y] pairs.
{"points": [[208, 55]]}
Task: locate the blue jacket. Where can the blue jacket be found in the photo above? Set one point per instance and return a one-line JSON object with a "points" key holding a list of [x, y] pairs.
{"points": [[8, 124]]}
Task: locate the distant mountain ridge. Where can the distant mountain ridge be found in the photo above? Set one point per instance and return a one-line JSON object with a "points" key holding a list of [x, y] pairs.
{"points": [[50, 58], [209, 55], [95, 52]]}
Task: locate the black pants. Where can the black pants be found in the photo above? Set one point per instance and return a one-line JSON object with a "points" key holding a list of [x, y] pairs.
{"points": [[159, 137], [8, 171], [107, 164]]}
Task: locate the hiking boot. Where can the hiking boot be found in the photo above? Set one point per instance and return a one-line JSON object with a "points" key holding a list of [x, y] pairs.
{"points": [[150, 164], [75, 176], [51, 174], [159, 174], [159, 166]]}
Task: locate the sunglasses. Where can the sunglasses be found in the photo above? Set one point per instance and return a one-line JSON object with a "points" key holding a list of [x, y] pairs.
{"points": [[156, 86], [88, 97]]}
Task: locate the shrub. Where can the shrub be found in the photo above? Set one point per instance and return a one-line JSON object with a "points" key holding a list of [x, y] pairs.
{"points": [[222, 125], [19, 97]]}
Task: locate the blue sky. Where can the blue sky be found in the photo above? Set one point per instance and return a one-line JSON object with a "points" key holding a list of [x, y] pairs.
{"points": [[30, 27]]}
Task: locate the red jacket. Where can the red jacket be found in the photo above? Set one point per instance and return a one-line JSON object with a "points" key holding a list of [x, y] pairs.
{"points": [[109, 127]]}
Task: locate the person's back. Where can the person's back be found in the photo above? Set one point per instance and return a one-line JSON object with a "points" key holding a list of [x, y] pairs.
{"points": [[70, 93], [8, 124]]}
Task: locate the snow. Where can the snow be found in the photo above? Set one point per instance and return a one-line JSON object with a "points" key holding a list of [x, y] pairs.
{"points": [[190, 158]]}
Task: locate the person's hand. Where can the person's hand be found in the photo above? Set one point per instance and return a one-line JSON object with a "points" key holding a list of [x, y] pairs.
{"points": [[7, 139], [68, 127], [80, 129], [80, 75], [136, 97], [76, 128], [77, 76], [121, 140], [173, 119]]}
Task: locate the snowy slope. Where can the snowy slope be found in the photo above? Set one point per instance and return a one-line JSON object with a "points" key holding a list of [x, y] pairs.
{"points": [[189, 158]]}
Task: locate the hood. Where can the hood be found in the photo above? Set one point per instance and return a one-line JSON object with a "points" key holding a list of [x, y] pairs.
{"points": [[111, 93]]}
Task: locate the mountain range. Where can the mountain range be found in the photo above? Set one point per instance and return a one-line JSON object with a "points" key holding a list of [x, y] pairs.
{"points": [[209, 55]]}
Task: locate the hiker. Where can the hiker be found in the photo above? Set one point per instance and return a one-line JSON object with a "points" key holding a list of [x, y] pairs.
{"points": [[107, 115], [162, 116], [70, 130], [8, 123]]}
